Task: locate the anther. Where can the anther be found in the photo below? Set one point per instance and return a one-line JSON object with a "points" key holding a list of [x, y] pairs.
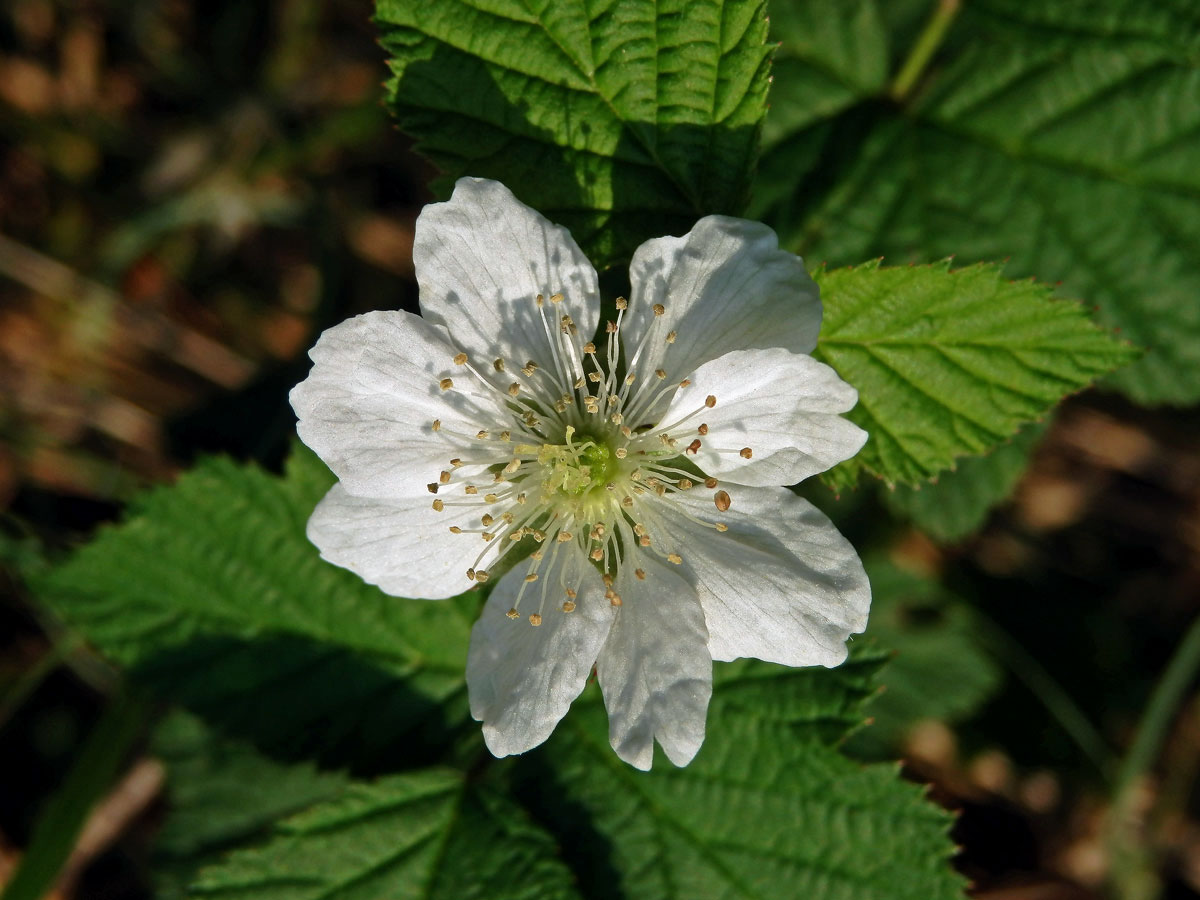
{"points": [[461, 359], [490, 498], [594, 377], [439, 505], [659, 309], [513, 465], [610, 327], [487, 520], [530, 367], [710, 401], [432, 487], [661, 373], [535, 620], [556, 298], [514, 389], [684, 484], [471, 574], [674, 558], [685, 382], [481, 434], [622, 303], [446, 384], [444, 478], [722, 500], [471, 489], [597, 554], [513, 614], [720, 526], [564, 536], [644, 540], [568, 606], [703, 429], [640, 573], [631, 378], [620, 453], [571, 593], [481, 576], [671, 337], [456, 462], [613, 598], [694, 447], [608, 580], [498, 365], [488, 537], [437, 425], [746, 453], [589, 347], [710, 483], [531, 578], [454, 529], [539, 300]]}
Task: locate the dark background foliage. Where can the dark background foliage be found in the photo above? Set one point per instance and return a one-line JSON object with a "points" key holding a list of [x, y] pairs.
{"points": [[190, 192]]}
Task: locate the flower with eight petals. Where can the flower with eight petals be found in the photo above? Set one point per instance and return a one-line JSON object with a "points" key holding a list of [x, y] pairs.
{"points": [[636, 466]]}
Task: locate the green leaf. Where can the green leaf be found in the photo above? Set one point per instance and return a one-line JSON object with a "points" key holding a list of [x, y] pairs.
{"points": [[938, 671], [220, 793], [622, 120], [949, 363], [1059, 136], [428, 834], [830, 57], [958, 502], [767, 809], [211, 591]]}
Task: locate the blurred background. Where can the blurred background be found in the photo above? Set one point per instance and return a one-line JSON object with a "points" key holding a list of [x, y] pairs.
{"points": [[190, 192]]}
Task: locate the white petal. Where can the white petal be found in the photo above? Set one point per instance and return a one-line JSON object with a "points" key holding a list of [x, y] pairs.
{"points": [[655, 669], [522, 678], [784, 406], [482, 257], [368, 405], [404, 546], [725, 285], [781, 584]]}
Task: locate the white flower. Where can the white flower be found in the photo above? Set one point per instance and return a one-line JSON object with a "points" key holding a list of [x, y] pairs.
{"points": [[639, 459]]}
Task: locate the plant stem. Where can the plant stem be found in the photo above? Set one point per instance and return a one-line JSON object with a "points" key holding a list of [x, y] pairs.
{"points": [[1052, 695], [1133, 866], [922, 51]]}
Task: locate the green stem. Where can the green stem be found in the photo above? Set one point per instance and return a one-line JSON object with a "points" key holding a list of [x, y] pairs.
{"points": [[922, 51], [1133, 866], [1167, 696], [49, 661]]}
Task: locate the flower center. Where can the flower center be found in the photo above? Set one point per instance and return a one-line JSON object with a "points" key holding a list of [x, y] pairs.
{"points": [[575, 469], [574, 465]]}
